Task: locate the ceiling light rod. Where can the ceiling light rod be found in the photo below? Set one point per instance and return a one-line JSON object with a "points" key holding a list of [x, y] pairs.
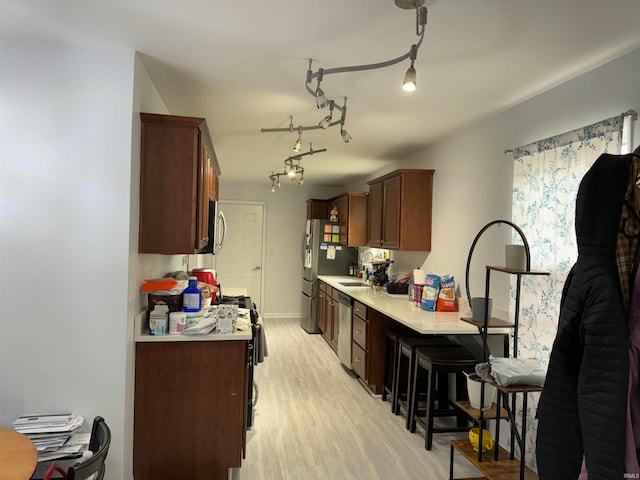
{"points": [[310, 152], [320, 126], [421, 21]]}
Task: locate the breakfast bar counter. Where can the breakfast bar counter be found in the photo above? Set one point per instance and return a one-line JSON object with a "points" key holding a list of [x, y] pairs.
{"points": [[403, 311], [377, 313]]}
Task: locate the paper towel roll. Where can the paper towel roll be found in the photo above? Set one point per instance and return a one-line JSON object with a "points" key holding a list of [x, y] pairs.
{"points": [[419, 276]]}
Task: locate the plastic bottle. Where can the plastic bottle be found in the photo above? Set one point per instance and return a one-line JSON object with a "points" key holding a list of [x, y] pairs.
{"points": [[192, 297]]}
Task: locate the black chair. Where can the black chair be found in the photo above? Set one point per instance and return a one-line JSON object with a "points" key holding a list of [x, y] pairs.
{"points": [[92, 467]]}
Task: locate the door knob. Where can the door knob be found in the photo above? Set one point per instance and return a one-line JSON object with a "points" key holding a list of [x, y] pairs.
{"points": [[256, 268]]}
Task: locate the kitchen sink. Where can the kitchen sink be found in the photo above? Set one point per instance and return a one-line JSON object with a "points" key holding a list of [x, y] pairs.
{"points": [[353, 284]]}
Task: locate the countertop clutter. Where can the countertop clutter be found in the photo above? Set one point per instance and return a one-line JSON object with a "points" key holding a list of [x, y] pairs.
{"points": [[400, 309], [142, 333], [141, 326]]}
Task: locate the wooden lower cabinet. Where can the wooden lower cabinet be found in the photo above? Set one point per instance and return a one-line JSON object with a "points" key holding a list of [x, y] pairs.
{"points": [[327, 314], [359, 337], [333, 318], [359, 361], [377, 326], [322, 306], [190, 412]]}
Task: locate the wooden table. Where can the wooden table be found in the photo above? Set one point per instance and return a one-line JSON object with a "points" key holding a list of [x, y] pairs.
{"points": [[18, 455]]}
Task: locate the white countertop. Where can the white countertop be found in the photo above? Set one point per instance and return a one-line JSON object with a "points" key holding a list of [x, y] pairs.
{"points": [[400, 309], [142, 334]]}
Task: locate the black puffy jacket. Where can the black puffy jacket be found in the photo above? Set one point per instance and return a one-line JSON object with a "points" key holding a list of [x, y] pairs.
{"points": [[582, 408]]}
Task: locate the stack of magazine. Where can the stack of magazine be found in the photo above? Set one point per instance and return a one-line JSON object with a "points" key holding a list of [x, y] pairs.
{"points": [[55, 435]]}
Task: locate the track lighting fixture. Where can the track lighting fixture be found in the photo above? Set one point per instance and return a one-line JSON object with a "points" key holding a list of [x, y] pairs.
{"points": [[325, 123], [410, 77], [409, 83], [298, 145], [292, 168]]}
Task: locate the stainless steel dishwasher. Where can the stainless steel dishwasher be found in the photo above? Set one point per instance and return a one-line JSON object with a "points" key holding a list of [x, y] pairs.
{"points": [[345, 326]]}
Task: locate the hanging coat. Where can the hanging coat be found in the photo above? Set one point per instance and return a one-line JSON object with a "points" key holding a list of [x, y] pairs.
{"points": [[583, 405]]}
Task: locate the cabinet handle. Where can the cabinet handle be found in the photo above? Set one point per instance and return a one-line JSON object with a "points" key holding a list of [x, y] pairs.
{"points": [[358, 331], [205, 239], [357, 360]]}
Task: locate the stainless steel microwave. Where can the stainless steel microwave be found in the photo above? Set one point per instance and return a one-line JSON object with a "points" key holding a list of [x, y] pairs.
{"points": [[217, 229]]}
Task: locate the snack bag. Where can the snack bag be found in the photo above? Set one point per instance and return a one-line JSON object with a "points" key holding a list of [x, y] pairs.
{"points": [[430, 292], [447, 295]]}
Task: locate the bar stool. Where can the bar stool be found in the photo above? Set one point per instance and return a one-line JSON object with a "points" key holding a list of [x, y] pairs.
{"points": [[432, 363], [404, 364], [390, 354]]}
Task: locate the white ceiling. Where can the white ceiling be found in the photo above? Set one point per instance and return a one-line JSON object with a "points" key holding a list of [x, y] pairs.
{"points": [[242, 65]]}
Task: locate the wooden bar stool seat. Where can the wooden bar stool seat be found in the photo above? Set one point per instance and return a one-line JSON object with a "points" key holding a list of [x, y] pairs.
{"points": [[437, 363], [404, 368]]}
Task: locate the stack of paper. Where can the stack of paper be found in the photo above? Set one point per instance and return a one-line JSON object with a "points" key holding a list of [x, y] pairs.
{"points": [[203, 327], [53, 434]]}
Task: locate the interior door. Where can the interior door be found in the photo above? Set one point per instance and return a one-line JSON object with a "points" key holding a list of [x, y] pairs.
{"points": [[239, 263]]}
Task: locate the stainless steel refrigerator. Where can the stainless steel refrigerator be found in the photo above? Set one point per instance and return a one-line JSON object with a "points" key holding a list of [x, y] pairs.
{"points": [[323, 255]]}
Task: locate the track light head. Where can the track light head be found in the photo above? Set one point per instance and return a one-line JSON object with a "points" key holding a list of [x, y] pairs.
{"points": [[324, 123], [321, 100], [298, 145], [409, 84], [345, 136]]}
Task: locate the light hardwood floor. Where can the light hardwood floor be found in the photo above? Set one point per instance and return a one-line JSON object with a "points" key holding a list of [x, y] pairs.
{"points": [[313, 420]]}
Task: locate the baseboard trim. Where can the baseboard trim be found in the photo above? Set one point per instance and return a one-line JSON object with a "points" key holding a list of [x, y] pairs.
{"points": [[293, 316]]}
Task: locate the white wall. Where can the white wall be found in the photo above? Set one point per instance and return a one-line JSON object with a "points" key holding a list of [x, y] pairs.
{"points": [[65, 173], [286, 213], [473, 179]]}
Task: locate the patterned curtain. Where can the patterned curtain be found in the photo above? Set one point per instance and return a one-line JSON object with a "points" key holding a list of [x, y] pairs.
{"points": [[546, 176]]}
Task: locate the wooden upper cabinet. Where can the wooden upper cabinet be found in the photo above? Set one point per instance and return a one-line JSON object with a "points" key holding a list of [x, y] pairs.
{"points": [[400, 210], [317, 209], [352, 217], [375, 215], [391, 208], [178, 177]]}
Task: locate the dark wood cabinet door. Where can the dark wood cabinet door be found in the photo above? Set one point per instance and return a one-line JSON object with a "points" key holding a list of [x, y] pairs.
{"points": [[328, 322], [357, 222], [375, 215], [204, 194], [317, 209], [178, 177], [391, 212], [400, 205], [322, 318], [190, 409]]}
